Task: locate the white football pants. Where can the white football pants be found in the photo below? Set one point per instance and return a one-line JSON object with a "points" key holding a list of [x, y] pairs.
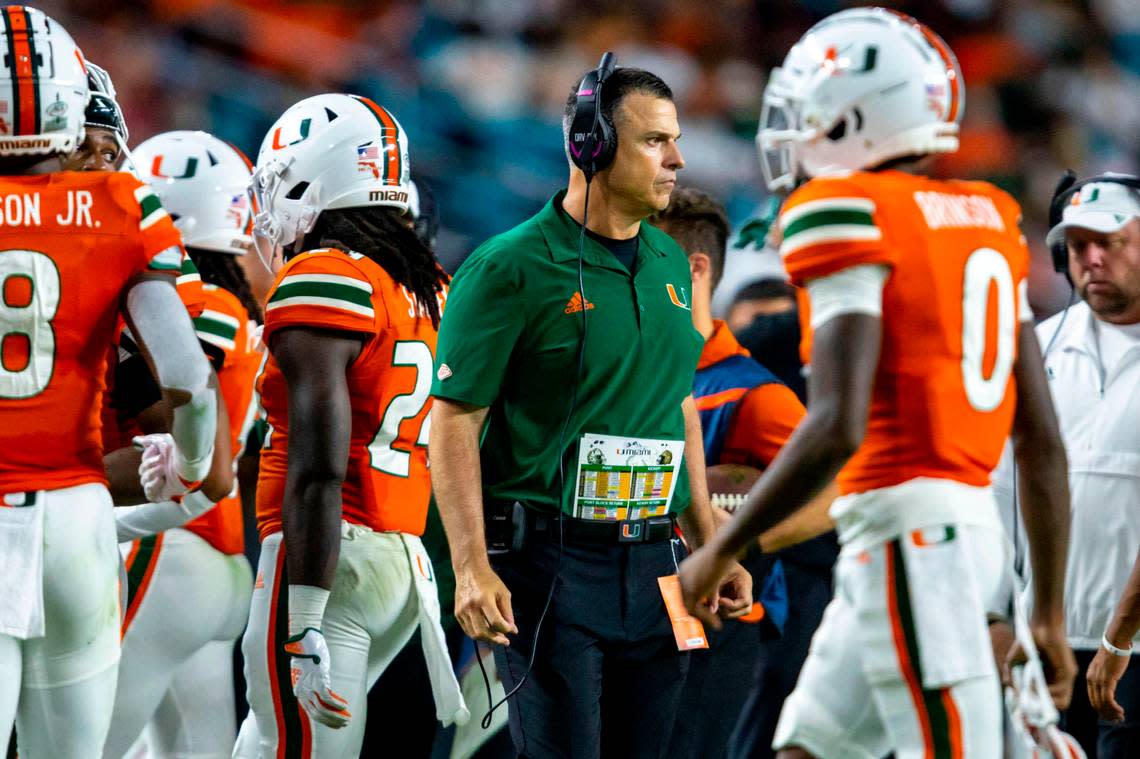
{"points": [[59, 689], [187, 604], [371, 615]]}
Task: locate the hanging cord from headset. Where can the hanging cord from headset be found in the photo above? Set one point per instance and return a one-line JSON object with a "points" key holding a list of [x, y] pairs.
{"points": [[488, 716]]}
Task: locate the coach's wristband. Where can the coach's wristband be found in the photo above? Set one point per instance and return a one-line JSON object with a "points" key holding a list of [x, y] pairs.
{"points": [[1113, 649]]}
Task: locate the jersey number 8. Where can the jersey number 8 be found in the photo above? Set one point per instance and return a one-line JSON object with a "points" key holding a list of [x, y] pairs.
{"points": [[986, 268], [29, 299]]}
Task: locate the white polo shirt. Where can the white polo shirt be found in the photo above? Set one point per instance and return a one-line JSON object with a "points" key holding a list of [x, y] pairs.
{"points": [[1094, 377]]}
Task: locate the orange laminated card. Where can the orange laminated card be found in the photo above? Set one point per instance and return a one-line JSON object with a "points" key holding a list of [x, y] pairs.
{"points": [[687, 629]]}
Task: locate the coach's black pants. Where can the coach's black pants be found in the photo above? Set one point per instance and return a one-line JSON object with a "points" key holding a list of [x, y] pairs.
{"points": [[1100, 739], [607, 675]]}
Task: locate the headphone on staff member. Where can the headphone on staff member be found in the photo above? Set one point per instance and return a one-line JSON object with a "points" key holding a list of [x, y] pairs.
{"points": [[1067, 188], [592, 140], [591, 143]]}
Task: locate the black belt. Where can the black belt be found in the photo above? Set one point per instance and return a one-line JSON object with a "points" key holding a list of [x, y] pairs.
{"points": [[651, 530]]}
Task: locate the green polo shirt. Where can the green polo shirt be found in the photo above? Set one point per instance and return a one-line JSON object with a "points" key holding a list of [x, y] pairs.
{"points": [[509, 341]]}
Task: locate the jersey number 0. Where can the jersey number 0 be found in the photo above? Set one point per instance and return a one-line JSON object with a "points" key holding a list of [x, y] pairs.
{"points": [[986, 268]]}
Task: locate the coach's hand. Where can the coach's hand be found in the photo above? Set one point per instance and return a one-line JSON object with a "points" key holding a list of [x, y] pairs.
{"points": [[483, 605], [1104, 673]]}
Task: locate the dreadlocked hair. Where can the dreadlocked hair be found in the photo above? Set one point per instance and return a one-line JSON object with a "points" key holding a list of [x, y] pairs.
{"points": [[223, 270], [379, 233]]}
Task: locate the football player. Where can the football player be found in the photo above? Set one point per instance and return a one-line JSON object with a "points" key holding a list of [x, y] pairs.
{"points": [[75, 251], [183, 618], [342, 496], [747, 415], [104, 146], [923, 356]]}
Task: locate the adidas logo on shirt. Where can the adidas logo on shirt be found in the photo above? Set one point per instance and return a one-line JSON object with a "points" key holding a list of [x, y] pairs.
{"points": [[577, 303]]}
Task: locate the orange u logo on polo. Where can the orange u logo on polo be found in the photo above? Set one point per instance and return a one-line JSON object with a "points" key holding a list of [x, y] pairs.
{"points": [[679, 302]]}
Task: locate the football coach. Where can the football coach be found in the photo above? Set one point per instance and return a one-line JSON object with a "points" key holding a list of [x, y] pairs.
{"points": [[565, 439]]}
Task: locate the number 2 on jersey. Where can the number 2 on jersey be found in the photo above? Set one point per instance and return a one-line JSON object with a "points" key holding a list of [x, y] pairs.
{"points": [[29, 298], [381, 453], [986, 268]]}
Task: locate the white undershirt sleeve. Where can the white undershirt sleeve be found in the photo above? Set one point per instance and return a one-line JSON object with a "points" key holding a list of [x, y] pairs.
{"points": [[856, 290]]}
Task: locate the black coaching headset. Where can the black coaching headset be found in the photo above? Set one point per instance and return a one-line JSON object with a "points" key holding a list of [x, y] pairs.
{"points": [[591, 143], [591, 139], [1067, 187]]}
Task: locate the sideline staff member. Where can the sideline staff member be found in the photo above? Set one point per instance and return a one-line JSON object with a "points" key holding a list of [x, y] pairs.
{"points": [[607, 674], [1092, 357]]}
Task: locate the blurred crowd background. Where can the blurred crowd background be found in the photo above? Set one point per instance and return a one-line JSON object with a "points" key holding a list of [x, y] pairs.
{"points": [[479, 85]]}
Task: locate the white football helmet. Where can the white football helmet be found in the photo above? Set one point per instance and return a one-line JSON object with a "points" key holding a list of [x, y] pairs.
{"points": [[204, 183], [43, 85], [861, 87], [326, 152]]}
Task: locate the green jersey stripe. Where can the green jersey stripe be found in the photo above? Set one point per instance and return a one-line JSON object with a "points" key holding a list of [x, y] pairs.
{"points": [[150, 220], [216, 340], [839, 233], [218, 316], [828, 218], [208, 324], [149, 203], [332, 279], [788, 217], [332, 303], [331, 290]]}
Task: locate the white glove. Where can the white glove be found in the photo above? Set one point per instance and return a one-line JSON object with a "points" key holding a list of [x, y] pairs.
{"points": [[158, 470], [312, 682]]}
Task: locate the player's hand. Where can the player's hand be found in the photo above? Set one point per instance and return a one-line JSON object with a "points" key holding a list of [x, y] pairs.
{"points": [[703, 575], [1057, 661], [734, 597], [1103, 675], [312, 681], [483, 605], [158, 470]]}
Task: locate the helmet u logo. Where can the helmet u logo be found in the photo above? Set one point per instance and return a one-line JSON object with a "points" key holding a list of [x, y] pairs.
{"points": [[156, 168], [304, 132]]}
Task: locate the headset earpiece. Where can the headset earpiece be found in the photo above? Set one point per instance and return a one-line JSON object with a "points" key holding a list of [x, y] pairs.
{"points": [[592, 140], [1064, 190], [1067, 187]]}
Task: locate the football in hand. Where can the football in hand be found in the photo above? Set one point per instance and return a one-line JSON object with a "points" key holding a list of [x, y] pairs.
{"points": [[730, 483]]}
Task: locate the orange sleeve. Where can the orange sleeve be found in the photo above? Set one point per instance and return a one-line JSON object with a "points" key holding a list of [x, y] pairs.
{"points": [[828, 225], [161, 243], [323, 289], [189, 284], [763, 422]]}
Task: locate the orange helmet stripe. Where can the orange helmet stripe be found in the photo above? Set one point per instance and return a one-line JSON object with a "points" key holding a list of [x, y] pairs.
{"points": [[392, 151]]}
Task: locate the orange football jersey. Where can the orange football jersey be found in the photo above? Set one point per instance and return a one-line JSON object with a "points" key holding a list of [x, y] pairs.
{"points": [[69, 245], [387, 485], [225, 324], [943, 399]]}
